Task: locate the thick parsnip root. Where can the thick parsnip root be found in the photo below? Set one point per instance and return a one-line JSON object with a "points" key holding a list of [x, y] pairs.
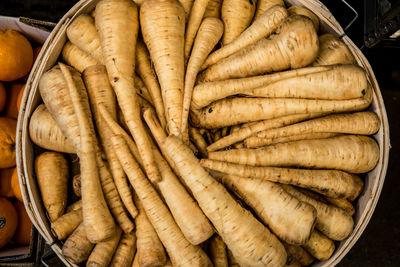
{"points": [[103, 252], [342, 203], [244, 132], [118, 25], [51, 170], [299, 10], [260, 28], [77, 247], [251, 243], [146, 72], [351, 153], [297, 253], [150, 250], [100, 92], [294, 46], [237, 16], [331, 183], [264, 5], [213, 9], [77, 58], [163, 27], [209, 33], [333, 51], [319, 246], [66, 224], [125, 251], [287, 217], [254, 141], [187, 6], [198, 141], [181, 252], [217, 250], [333, 222], [82, 33]]}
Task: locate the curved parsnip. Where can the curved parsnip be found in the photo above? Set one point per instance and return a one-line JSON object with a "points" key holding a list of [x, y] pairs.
{"points": [[77, 247], [126, 249], [66, 224], [103, 252], [218, 253], [332, 50], [299, 10], [319, 246], [264, 5], [77, 58]]}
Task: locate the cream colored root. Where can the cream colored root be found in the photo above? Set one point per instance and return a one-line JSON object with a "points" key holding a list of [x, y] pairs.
{"points": [[146, 72], [298, 254], [299, 10], [187, 6], [181, 252], [244, 132], [232, 222], [254, 141], [75, 206], [103, 252], [126, 249], [217, 249], [77, 58], [199, 141], [319, 246], [237, 16], [342, 203], [208, 35], [66, 224], [77, 247], [331, 183], [332, 50], [213, 9], [264, 5], [142, 90], [82, 33], [262, 27]]}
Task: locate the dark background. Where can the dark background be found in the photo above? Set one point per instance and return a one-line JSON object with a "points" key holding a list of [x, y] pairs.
{"points": [[379, 245]]}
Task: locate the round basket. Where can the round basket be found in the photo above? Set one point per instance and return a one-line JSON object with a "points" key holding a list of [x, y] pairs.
{"points": [[50, 52]]}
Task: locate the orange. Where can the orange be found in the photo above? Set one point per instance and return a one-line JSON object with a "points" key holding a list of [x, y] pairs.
{"points": [[19, 97], [15, 185], [5, 182], [8, 221], [23, 233], [3, 96], [13, 90], [16, 55], [8, 129]]}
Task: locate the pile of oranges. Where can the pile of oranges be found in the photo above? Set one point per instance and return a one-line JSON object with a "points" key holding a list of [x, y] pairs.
{"points": [[16, 60]]}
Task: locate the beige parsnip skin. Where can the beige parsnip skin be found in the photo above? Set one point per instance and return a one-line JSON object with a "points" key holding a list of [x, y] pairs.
{"points": [[217, 250], [299, 10], [342, 203], [333, 51], [103, 252], [299, 254], [213, 9], [264, 5], [77, 58], [319, 246], [66, 224], [125, 251], [77, 247]]}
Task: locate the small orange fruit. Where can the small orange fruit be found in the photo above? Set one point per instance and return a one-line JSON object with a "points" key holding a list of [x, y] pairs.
{"points": [[8, 130], [13, 90], [16, 55], [15, 185], [5, 182], [23, 233], [19, 98], [8, 221], [3, 96]]}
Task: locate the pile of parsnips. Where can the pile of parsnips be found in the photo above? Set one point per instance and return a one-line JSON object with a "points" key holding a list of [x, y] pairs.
{"points": [[275, 112]]}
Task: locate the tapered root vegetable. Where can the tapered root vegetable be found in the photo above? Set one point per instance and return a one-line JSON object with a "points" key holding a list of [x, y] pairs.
{"points": [[332, 50], [125, 251], [187, 6], [250, 130], [331, 183], [207, 37], [208, 92], [66, 224], [242, 110], [76, 185], [181, 252], [142, 91], [255, 141], [52, 175], [260, 28], [96, 215], [365, 123], [75, 206], [213, 9], [103, 252], [251, 243], [299, 10], [77, 247], [287, 217], [44, 132], [77, 58], [82, 33], [351, 153], [195, 18], [339, 83], [146, 72], [198, 141], [319, 246], [333, 222], [342, 203], [163, 28], [150, 250], [100, 92], [236, 15], [297, 253], [264, 5], [217, 249], [118, 24], [294, 45]]}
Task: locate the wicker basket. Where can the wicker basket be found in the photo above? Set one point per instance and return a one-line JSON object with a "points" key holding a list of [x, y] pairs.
{"points": [[48, 57]]}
